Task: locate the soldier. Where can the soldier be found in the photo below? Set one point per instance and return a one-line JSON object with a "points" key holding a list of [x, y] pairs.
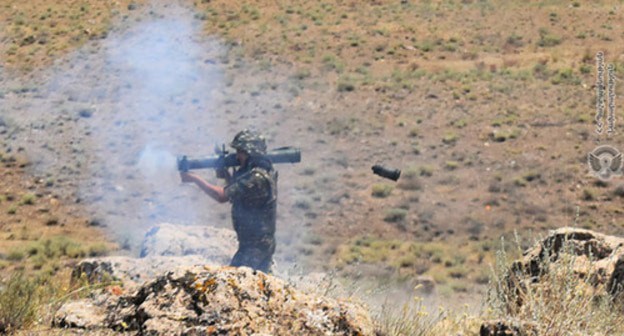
{"points": [[252, 190]]}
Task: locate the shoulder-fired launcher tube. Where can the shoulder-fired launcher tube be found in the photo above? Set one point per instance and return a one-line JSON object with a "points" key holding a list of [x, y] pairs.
{"points": [[278, 155]]}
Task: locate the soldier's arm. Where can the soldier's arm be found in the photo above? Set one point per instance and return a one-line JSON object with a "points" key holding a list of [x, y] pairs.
{"points": [[215, 192]]}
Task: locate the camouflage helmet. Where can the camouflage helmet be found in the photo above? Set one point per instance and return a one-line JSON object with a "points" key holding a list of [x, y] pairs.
{"points": [[249, 141]]}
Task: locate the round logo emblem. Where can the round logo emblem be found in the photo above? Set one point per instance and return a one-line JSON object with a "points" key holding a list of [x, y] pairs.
{"points": [[605, 161]]}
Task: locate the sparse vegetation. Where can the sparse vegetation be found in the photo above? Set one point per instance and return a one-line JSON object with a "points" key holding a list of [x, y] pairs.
{"points": [[38, 31], [382, 190], [28, 199], [19, 303], [562, 303], [389, 79], [395, 215], [450, 138], [547, 39]]}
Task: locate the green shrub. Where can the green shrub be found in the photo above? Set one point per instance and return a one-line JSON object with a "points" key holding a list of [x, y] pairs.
{"points": [[565, 76], [409, 180], [98, 249], [18, 303], [28, 199], [345, 84], [15, 255], [450, 138], [395, 215], [426, 171], [451, 165], [547, 39], [382, 190]]}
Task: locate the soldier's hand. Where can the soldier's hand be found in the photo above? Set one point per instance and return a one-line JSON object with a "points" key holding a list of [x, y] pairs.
{"points": [[186, 177], [222, 173]]}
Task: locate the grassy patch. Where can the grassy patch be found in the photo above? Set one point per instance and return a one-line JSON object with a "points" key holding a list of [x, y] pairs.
{"points": [[410, 180], [395, 215], [48, 250], [19, 302], [382, 190], [547, 39]]}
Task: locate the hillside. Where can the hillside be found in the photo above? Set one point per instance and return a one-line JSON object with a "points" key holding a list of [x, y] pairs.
{"points": [[487, 108]]}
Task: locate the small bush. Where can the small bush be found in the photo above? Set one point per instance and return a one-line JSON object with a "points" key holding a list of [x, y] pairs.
{"points": [[345, 84], [98, 249], [450, 138], [409, 180], [619, 191], [565, 76], [451, 165], [28, 199], [395, 215], [15, 255], [303, 204], [515, 40], [18, 303], [382, 190], [547, 39], [502, 135], [588, 195], [426, 171]]}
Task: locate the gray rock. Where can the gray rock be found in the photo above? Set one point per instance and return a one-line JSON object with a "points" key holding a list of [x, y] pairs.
{"points": [[208, 300], [216, 245], [131, 272], [83, 314], [228, 300], [596, 256]]}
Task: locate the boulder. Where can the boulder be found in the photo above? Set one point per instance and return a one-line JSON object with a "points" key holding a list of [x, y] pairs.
{"points": [[576, 266], [595, 256], [216, 245], [131, 272], [81, 314], [210, 300], [164, 248]]}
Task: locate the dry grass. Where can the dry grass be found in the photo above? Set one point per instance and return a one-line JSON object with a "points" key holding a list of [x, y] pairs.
{"points": [[36, 32], [414, 318], [559, 304], [466, 264], [339, 40]]}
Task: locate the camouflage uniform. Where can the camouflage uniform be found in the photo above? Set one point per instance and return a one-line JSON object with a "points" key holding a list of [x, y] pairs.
{"points": [[253, 194]]}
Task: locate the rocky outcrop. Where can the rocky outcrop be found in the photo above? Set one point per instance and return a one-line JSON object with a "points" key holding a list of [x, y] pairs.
{"points": [[216, 245], [214, 300], [164, 248], [572, 268], [594, 256], [131, 272], [170, 291]]}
